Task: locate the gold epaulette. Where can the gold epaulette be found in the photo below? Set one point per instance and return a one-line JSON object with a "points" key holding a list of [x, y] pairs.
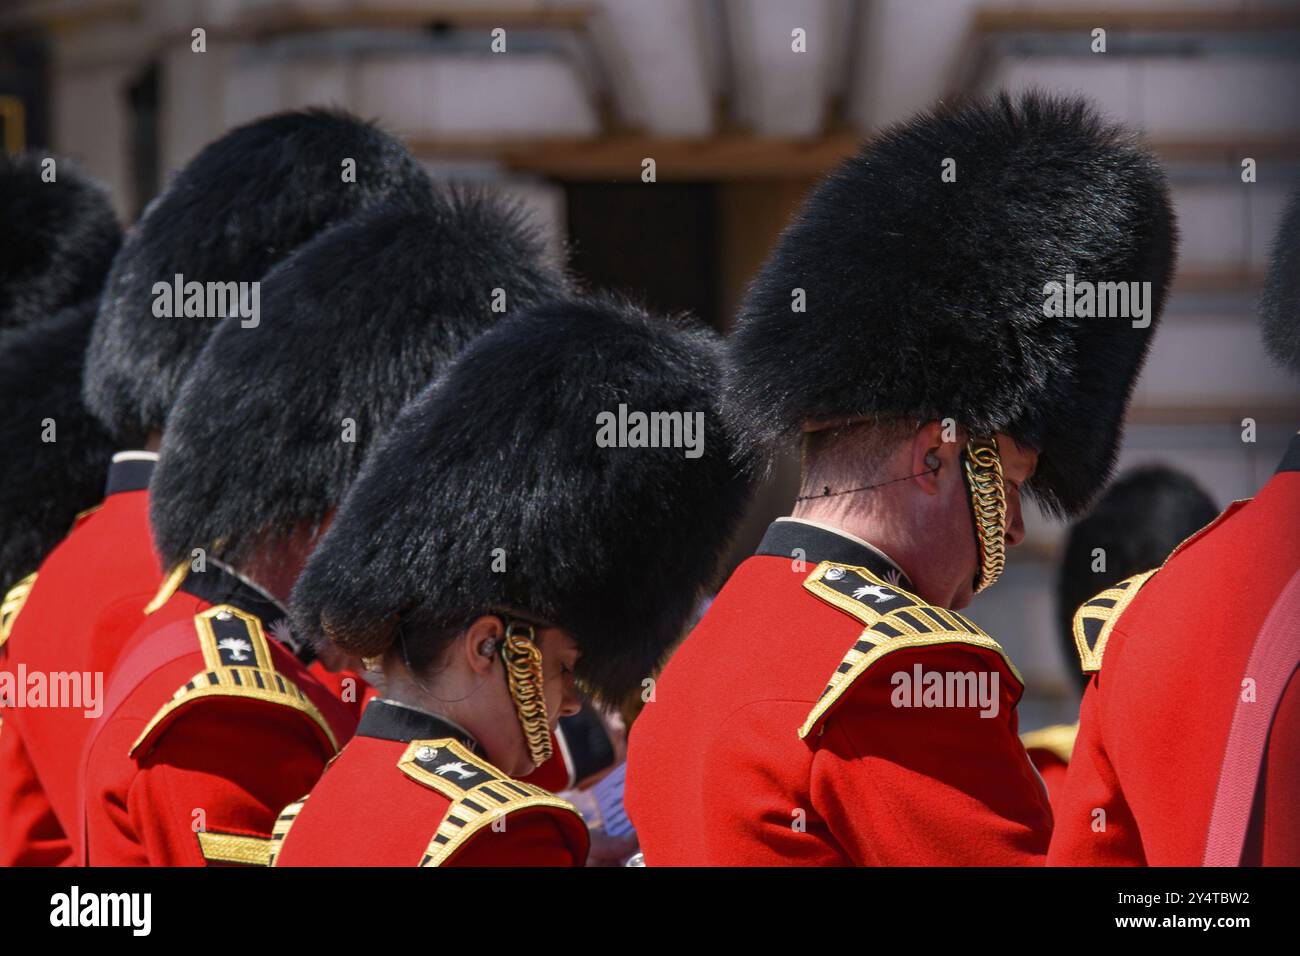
{"points": [[282, 825], [12, 604], [237, 663], [894, 620], [234, 848], [1097, 617], [480, 794], [1057, 739]]}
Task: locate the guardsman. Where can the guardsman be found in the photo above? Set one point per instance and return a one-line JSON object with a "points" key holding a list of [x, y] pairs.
{"points": [[1140, 519], [501, 545], [58, 235], [832, 707], [237, 208], [268, 432], [1189, 735]]}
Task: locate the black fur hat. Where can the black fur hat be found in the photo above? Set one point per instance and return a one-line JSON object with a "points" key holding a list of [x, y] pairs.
{"points": [[45, 483], [498, 461], [240, 206], [57, 239], [926, 297], [353, 325], [1280, 305]]}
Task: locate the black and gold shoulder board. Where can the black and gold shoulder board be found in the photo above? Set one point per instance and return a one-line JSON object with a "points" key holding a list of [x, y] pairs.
{"points": [[283, 823], [12, 604], [894, 619], [480, 793], [1096, 618], [237, 663]]}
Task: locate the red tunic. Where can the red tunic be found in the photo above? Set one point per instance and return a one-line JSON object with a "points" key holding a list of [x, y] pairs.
{"points": [[773, 736], [210, 728], [1156, 716], [409, 790], [88, 598]]}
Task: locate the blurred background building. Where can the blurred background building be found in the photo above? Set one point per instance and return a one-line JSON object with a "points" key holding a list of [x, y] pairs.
{"points": [[740, 113]]}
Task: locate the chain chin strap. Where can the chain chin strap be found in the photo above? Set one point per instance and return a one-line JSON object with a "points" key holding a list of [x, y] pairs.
{"points": [[988, 499], [523, 660]]}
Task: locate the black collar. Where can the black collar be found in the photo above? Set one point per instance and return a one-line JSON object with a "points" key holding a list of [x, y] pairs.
{"points": [[387, 720], [129, 474], [217, 584], [812, 544], [1291, 460]]}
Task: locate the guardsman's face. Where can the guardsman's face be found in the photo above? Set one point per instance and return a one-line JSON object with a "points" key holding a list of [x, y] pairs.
{"points": [[939, 508], [499, 730], [1018, 465], [560, 655]]}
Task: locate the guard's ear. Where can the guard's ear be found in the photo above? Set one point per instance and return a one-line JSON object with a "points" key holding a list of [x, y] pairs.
{"points": [[482, 641], [931, 455]]}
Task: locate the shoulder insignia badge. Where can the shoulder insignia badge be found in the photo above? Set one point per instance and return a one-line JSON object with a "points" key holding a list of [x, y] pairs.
{"points": [[12, 604], [480, 793], [237, 663], [1096, 618], [283, 823], [1057, 739], [895, 619]]}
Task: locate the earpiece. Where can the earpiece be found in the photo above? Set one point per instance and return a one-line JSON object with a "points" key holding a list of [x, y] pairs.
{"points": [[932, 461]]}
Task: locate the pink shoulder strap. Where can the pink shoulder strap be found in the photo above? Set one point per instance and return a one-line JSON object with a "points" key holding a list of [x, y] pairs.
{"points": [[1273, 660]]}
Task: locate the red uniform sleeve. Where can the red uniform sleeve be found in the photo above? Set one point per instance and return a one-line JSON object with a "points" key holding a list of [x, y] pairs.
{"points": [[1094, 825], [30, 833], [529, 839], [228, 766], [929, 786]]}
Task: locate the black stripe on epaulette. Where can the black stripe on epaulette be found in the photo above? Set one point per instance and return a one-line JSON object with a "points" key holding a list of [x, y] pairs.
{"points": [[915, 622], [944, 625]]}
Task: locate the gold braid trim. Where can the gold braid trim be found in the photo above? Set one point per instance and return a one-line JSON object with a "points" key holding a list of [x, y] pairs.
{"points": [[283, 823], [988, 496], [523, 660], [12, 604], [234, 848]]}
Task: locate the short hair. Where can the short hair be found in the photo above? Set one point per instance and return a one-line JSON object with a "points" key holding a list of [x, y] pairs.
{"points": [[1140, 519], [850, 455]]}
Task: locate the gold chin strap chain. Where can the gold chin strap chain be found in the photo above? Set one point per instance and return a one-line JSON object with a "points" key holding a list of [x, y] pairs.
{"points": [[988, 498], [523, 660]]}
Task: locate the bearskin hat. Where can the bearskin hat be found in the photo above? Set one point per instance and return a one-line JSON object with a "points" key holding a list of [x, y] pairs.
{"points": [[1280, 305], [493, 491], [239, 207], [914, 283], [56, 453], [272, 423], [57, 239]]}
